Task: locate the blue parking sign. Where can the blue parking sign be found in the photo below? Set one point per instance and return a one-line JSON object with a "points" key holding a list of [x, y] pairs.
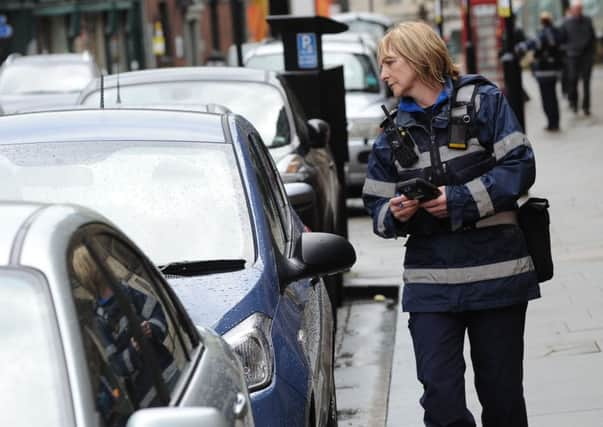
{"points": [[307, 51], [5, 30]]}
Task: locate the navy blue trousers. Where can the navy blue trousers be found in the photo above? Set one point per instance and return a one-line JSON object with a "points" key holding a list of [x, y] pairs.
{"points": [[496, 342], [548, 94]]}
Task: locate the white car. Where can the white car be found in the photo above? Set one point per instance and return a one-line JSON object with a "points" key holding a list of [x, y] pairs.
{"points": [[36, 82], [365, 93]]}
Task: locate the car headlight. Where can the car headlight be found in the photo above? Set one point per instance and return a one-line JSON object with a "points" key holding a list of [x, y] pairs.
{"points": [[364, 128], [252, 343]]}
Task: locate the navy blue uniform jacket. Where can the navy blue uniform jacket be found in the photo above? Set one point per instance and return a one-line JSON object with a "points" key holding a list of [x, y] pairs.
{"points": [[477, 257]]}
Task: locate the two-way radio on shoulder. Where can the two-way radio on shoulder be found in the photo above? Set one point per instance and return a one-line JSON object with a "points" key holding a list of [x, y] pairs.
{"points": [[400, 140]]}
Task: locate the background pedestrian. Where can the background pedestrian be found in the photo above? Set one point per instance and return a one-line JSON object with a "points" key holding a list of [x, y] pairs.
{"points": [[547, 66], [580, 43]]}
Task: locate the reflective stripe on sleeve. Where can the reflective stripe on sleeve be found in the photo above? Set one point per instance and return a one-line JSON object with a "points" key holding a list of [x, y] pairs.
{"points": [[381, 218], [169, 371], [157, 323], [149, 306], [148, 398], [509, 143], [110, 350], [372, 187], [128, 361], [481, 197], [454, 276]]}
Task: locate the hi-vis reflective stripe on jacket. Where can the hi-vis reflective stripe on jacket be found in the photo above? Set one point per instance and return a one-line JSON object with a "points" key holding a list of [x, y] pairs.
{"points": [[477, 257], [452, 276]]}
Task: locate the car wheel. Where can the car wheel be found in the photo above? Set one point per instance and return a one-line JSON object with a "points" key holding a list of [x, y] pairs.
{"points": [[332, 420], [341, 222], [334, 285]]}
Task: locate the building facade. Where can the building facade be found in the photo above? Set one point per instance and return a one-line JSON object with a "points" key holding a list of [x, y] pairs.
{"points": [[122, 34]]}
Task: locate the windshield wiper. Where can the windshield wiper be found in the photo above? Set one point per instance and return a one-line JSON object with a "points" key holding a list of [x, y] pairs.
{"points": [[197, 268]]}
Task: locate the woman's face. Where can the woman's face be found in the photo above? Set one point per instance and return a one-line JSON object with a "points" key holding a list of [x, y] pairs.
{"points": [[397, 74]]}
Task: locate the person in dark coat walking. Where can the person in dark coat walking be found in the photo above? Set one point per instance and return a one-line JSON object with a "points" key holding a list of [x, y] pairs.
{"points": [[580, 43], [547, 66], [467, 270]]}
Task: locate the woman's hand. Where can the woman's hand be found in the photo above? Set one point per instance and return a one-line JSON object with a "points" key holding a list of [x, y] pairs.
{"points": [[437, 207], [403, 208]]}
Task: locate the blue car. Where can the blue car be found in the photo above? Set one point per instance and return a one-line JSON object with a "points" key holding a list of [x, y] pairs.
{"points": [[200, 195]]}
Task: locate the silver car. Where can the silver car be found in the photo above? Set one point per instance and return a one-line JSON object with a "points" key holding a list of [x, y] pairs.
{"points": [[93, 336], [365, 93], [36, 82]]}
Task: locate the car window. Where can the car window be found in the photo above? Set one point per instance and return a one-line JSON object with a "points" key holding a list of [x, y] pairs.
{"points": [[58, 77], [359, 74], [130, 267], [299, 116], [134, 352], [189, 194], [270, 187], [260, 103], [34, 385]]}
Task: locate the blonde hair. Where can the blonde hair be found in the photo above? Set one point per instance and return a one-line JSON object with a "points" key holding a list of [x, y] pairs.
{"points": [[85, 269], [423, 49]]}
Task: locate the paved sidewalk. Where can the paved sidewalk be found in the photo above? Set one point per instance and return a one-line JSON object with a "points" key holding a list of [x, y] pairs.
{"points": [[564, 335]]}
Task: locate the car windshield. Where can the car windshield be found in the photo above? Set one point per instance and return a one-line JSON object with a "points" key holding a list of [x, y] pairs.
{"points": [[39, 78], [262, 104], [31, 364], [178, 201], [358, 71]]}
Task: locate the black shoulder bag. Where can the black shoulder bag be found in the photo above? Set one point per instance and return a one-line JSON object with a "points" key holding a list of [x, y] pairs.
{"points": [[534, 221]]}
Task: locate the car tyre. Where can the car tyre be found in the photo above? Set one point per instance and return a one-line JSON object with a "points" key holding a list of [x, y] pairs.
{"points": [[332, 420]]}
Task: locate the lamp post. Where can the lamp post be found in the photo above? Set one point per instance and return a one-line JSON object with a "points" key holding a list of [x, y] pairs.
{"points": [[236, 10], [439, 16], [215, 56], [510, 62], [470, 61]]}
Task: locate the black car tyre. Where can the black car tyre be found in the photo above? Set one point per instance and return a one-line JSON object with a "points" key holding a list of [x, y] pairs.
{"points": [[332, 420]]}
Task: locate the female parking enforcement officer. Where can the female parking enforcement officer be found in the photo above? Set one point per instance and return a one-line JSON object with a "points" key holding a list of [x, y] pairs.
{"points": [[466, 266]]}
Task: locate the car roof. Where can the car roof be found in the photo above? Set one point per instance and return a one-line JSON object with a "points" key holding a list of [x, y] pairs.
{"points": [[50, 57], [14, 216], [328, 45], [17, 222], [364, 16], [183, 74], [112, 124]]}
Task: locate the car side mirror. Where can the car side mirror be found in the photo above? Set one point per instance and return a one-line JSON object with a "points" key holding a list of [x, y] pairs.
{"points": [[320, 133], [178, 417], [318, 254]]}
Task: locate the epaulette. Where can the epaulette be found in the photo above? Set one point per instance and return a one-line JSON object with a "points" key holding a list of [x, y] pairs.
{"points": [[392, 115]]}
